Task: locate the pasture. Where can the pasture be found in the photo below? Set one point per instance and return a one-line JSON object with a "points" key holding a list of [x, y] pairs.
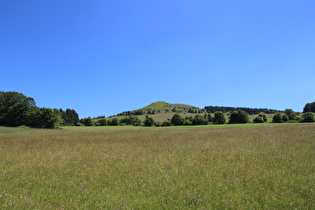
{"points": [[204, 167]]}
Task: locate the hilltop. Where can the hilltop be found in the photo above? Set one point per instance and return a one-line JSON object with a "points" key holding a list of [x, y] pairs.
{"points": [[161, 107]]}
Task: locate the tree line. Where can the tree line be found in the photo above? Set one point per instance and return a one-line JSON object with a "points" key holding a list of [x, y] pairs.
{"points": [[196, 110], [17, 109], [236, 117], [250, 111], [290, 116]]}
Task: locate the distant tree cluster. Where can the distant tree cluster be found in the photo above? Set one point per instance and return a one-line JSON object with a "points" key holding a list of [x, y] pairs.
{"points": [[134, 112], [291, 116], [130, 120], [250, 111], [195, 110], [17, 109], [166, 109]]}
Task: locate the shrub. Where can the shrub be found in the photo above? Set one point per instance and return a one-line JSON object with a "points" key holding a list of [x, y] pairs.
{"points": [[115, 122], [199, 120], [238, 117], [277, 118], [291, 114], [87, 121], [149, 121], [263, 115], [258, 120], [308, 117], [167, 122], [157, 124], [102, 122], [209, 117], [131, 120], [219, 118], [177, 120], [187, 122], [285, 118]]}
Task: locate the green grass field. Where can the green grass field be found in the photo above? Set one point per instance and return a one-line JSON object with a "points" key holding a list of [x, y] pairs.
{"points": [[212, 167]]}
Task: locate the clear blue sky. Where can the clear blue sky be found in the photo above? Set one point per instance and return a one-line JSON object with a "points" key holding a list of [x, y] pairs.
{"points": [[102, 57]]}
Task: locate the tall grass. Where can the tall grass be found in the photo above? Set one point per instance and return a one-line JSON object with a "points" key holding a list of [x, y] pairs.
{"points": [[233, 167]]}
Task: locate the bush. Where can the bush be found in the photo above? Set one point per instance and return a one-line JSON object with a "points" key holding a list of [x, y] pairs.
{"points": [[258, 120], [167, 122], [238, 117], [263, 115], [285, 118], [208, 117], [308, 117], [87, 121], [277, 118], [177, 120], [131, 120], [149, 121], [291, 114], [219, 118], [114, 122], [102, 122], [187, 122], [199, 120], [157, 124]]}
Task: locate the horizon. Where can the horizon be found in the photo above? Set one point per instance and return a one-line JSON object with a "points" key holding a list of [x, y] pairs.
{"points": [[103, 57]]}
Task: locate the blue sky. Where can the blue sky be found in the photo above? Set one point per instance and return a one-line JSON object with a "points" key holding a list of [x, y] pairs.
{"points": [[103, 57]]}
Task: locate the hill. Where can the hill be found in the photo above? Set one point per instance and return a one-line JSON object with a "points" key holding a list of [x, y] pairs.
{"points": [[162, 107]]}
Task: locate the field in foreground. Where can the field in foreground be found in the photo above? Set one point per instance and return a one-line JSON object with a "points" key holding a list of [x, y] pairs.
{"points": [[233, 167]]}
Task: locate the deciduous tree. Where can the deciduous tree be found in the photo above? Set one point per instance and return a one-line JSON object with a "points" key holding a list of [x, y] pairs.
{"points": [[219, 118]]}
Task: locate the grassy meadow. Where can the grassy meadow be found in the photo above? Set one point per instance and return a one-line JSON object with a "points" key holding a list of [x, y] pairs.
{"points": [[203, 167]]}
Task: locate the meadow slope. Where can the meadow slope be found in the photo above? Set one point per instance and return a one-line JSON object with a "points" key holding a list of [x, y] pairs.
{"points": [[232, 167]]}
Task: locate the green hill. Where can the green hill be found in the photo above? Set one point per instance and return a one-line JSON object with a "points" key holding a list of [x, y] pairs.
{"points": [[163, 107]]}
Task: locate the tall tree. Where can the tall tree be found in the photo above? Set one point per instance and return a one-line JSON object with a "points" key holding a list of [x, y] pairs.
{"points": [[149, 121], [219, 118], [177, 120], [291, 114], [277, 118], [14, 107], [238, 117]]}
